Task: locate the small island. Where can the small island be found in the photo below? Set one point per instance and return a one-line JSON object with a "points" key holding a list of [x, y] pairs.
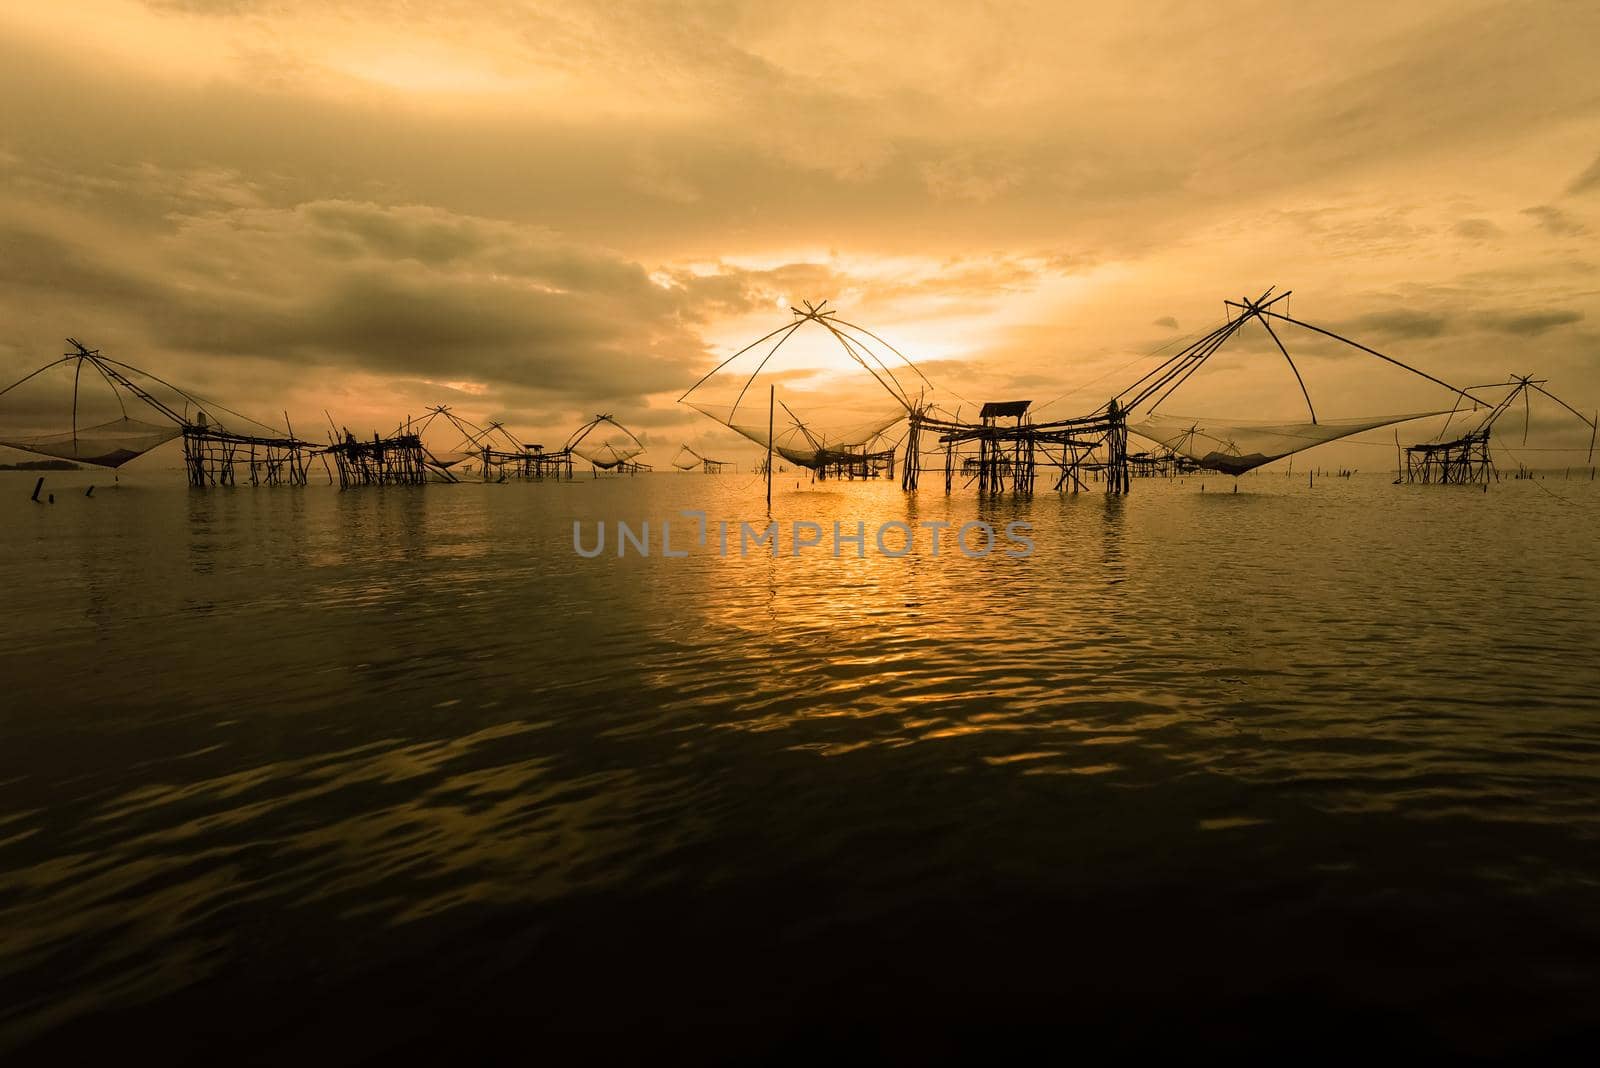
{"points": [[42, 465]]}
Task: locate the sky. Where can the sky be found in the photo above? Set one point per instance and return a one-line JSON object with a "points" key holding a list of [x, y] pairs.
{"points": [[536, 212]]}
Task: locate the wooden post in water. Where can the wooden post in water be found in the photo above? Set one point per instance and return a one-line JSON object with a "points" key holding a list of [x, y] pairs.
{"points": [[772, 404]]}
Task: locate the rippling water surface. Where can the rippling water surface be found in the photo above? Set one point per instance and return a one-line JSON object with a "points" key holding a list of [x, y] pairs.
{"points": [[350, 775]]}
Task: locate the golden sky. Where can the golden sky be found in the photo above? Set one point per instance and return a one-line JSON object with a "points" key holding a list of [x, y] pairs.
{"points": [[536, 211]]}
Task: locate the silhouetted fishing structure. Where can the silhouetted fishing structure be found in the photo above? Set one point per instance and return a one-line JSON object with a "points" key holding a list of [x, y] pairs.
{"points": [[1004, 456], [1161, 464], [1460, 461], [607, 445], [499, 455], [842, 435], [826, 444], [213, 457], [688, 460], [1009, 446], [397, 460], [1234, 448], [1465, 459], [1002, 448], [850, 464], [214, 454], [528, 464]]}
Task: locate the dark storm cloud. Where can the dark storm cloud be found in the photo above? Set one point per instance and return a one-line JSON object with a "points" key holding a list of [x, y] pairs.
{"points": [[35, 262], [492, 332], [404, 291]]}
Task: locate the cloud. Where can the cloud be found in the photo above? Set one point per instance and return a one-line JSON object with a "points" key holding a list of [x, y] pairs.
{"points": [[1476, 229], [1528, 323], [562, 206], [1554, 220], [1587, 181], [38, 264], [443, 307], [1397, 324], [971, 177], [205, 7], [336, 286]]}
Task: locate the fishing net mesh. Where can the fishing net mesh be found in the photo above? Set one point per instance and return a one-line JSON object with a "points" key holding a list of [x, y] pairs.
{"points": [[607, 453], [110, 444], [803, 443], [1234, 448]]}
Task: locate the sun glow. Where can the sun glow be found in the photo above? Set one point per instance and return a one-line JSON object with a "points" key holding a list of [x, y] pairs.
{"points": [[416, 69]]}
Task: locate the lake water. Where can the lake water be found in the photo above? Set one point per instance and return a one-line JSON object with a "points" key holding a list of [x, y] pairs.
{"points": [[394, 772]]}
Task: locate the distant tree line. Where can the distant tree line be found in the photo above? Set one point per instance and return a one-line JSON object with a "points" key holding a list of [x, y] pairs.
{"points": [[42, 465]]}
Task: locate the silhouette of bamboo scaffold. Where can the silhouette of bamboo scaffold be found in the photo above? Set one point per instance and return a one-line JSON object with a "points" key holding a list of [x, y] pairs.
{"points": [[214, 454], [1465, 459]]}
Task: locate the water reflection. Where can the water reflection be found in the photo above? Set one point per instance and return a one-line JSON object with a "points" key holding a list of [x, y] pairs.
{"points": [[403, 707]]}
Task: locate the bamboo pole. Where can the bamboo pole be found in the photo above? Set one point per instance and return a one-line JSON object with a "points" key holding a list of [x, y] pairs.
{"points": [[772, 404]]}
